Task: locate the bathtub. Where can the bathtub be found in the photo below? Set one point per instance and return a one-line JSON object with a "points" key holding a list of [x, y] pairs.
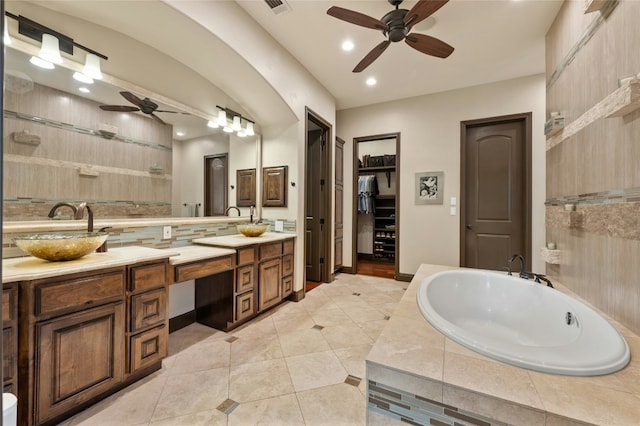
{"points": [[521, 323]]}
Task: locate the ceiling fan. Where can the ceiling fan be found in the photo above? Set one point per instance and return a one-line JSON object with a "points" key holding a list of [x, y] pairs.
{"points": [[396, 26], [145, 105]]}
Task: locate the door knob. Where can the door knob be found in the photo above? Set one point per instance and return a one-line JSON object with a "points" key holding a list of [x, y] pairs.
{"points": [[469, 226]]}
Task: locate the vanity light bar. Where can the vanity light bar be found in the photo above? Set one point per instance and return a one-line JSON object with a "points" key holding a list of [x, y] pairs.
{"points": [[34, 31], [236, 120]]}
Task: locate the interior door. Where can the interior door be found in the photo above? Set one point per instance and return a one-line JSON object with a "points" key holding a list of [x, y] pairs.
{"points": [[215, 191], [314, 205], [496, 194]]}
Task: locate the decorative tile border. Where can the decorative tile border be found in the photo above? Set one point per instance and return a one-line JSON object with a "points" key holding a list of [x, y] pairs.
{"points": [[627, 195], [582, 41], [615, 220], [80, 129], [417, 410], [147, 236]]}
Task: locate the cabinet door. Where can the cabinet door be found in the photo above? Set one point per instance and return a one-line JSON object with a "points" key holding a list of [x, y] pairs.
{"points": [[269, 281], [78, 357]]}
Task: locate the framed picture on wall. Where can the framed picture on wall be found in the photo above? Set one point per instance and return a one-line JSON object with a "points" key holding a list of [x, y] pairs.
{"points": [[429, 187]]}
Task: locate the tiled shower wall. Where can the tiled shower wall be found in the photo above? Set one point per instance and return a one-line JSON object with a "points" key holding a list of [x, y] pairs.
{"points": [[598, 168], [125, 176]]}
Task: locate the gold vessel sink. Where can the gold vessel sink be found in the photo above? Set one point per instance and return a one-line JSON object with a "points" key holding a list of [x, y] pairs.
{"points": [[252, 229], [61, 246]]}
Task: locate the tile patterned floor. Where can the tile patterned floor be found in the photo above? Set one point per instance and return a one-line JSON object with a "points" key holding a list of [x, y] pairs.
{"points": [[298, 364]]}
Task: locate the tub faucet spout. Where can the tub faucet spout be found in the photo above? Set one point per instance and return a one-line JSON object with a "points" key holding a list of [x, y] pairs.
{"points": [[523, 273]]}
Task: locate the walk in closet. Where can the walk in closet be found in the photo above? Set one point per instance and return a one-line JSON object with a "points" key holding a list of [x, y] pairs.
{"points": [[376, 200]]}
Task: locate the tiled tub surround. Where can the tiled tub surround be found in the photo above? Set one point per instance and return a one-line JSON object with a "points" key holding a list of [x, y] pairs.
{"points": [[134, 232], [413, 369], [597, 167]]}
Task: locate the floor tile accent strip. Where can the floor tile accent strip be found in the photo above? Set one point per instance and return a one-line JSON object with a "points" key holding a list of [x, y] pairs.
{"points": [[227, 406], [353, 380], [231, 339]]}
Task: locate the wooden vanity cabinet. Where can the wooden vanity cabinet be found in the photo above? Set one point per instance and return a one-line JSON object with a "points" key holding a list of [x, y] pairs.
{"points": [[269, 275], [72, 350], [83, 336], [10, 338]]}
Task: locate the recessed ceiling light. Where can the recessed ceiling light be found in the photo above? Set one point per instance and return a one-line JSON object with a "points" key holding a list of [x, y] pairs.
{"points": [[347, 45], [179, 133], [371, 81], [84, 90]]}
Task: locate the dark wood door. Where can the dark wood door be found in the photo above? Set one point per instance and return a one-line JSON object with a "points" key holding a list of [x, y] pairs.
{"points": [[215, 186], [496, 193], [314, 205], [339, 188]]}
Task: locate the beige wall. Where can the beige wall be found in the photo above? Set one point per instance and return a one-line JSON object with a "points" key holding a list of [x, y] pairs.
{"points": [[599, 166], [430, 141]]}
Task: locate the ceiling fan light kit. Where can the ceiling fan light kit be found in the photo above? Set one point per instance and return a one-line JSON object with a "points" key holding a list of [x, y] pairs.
{"points": [[396, 26]]}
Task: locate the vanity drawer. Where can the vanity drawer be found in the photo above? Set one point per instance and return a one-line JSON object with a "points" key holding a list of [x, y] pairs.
{"points": [[148, 348], [287, 247], [148, 276], [270, 250], [246, 256], [244, 306], [79, 293], [287, 265], [245, 278], [287, 286], [148, 309], [203, 268]]}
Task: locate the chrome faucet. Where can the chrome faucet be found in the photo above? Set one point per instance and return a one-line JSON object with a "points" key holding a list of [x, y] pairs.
{"points": [[232, 207], [523, 272], [251, 211], [80, 214], [53, 210]]}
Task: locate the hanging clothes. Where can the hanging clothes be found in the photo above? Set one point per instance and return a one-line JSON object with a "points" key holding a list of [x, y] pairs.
{"points": [[367, 190]]}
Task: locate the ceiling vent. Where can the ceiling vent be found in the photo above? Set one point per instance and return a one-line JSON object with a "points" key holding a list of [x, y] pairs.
{"points": [[278, 7]]}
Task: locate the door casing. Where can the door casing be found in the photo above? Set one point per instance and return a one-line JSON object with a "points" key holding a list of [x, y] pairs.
{"points": [[526, 119], [327, 208], [354, 226]]}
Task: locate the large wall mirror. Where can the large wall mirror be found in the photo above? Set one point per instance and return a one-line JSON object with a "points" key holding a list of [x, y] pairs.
{"points": [[60, 145]]}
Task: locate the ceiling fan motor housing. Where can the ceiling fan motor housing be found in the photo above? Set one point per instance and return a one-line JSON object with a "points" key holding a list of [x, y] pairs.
{"points": [[395, 22], [148, 106]]}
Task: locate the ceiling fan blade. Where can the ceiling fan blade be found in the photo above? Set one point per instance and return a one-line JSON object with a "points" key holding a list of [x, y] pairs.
{"points": [[356, 18], [422, 10], [372, 56], [119, 108], [132, 98], [429, 45], [155, 117]]}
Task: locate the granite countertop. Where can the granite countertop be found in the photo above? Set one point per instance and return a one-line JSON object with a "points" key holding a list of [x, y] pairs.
{"points": [[459, 377], [193, 253], [239, 240], [31, 268]]}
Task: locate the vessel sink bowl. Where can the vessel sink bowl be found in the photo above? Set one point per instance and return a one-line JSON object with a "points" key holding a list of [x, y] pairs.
{"points": [[61, 246], [252, 229]]}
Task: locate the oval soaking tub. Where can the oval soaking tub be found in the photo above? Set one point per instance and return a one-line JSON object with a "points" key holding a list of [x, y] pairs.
{"points": [[522, 323]]}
